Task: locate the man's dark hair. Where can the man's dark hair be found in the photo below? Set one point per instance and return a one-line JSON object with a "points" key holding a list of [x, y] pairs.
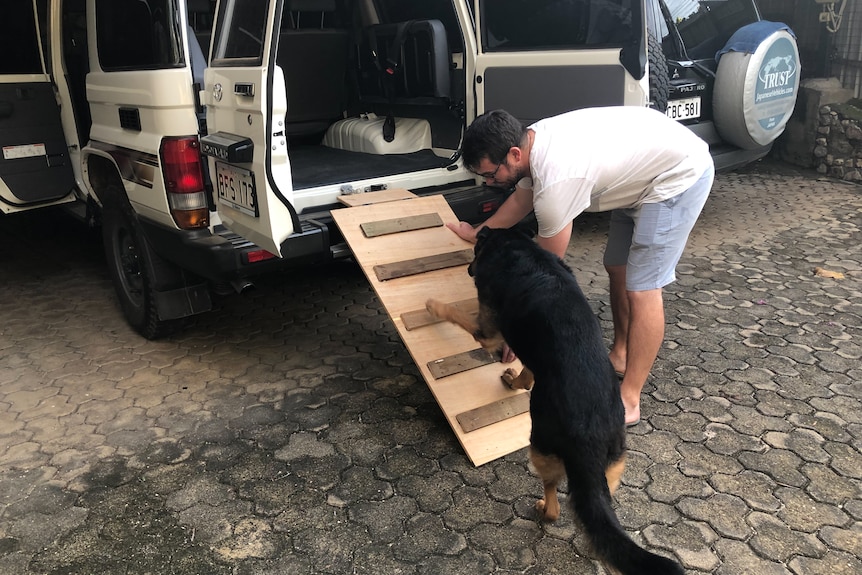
{"points": [[491, 135]]}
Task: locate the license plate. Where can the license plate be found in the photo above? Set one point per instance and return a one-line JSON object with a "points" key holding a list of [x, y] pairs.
{"points": [[683, 109], [236, 188]]}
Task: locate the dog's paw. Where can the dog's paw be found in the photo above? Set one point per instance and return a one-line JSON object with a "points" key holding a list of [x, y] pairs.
{"points": [[514, 380], [509, 376], [548, 513], [435, 308]]}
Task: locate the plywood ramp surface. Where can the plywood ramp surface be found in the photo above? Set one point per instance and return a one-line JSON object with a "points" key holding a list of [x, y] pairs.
{"points": [[460, 392]]}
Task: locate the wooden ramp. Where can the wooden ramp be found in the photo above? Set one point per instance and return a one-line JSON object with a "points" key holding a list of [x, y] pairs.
{"points": [[408, 256]]}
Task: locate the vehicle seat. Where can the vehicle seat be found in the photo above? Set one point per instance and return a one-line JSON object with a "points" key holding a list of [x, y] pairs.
{"points": [[314, 57], [198, 60], [423, 62]]}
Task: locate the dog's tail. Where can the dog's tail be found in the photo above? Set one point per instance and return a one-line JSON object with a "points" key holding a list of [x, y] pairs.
{"points": [[590, 499]]}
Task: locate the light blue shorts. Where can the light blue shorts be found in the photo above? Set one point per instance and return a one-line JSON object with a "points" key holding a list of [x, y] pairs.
{"points": [[649, 239]]}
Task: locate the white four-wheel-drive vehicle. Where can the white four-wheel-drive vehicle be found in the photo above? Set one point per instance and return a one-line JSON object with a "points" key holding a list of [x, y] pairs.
{"points": [[211, 140]]}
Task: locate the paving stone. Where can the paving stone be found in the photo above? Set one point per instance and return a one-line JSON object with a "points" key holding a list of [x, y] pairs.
{"points": [[368, 560], [780, 464], [668, 484], [826, 485], [472, 506], [803, 513], [756, 489], [511, 545], [689, 541], [833, 562], [699, 461], [724, 513], [384, 519], [725, 440], [427, 535], [805, 443], [774, 540]]}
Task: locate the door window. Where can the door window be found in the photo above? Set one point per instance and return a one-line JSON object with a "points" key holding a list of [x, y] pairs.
{"points": [[19, 39], [239, 33], [555, 24]]}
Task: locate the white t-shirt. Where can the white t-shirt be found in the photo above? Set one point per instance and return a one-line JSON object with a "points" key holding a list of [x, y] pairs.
{"points": [[599, 159]]}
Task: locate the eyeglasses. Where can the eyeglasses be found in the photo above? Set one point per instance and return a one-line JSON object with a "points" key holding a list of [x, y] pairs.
{"points": [[490, 175]]}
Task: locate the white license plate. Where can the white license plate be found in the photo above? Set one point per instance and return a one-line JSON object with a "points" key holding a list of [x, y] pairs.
{"points": [[236, 188], [683, 109]]}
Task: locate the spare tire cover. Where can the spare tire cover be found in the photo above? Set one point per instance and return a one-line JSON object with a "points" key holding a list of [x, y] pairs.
{"points": [[755, 88]]}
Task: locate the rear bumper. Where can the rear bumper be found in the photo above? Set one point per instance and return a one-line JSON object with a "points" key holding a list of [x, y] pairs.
{"points": [[224, 256], [727, 157]]}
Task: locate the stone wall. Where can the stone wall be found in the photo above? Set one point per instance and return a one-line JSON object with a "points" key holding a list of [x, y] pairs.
{"points": [[838, 144]]}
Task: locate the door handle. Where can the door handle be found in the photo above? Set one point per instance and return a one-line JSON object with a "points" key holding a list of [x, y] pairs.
{"points": [[244, 89]]}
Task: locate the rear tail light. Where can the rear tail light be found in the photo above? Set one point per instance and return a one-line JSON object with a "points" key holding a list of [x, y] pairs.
{"points": [[184, 182]]}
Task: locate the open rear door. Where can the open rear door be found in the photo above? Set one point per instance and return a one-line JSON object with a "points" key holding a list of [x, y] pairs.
{"points": [[246, 103], [35, 169], [559, 55]]}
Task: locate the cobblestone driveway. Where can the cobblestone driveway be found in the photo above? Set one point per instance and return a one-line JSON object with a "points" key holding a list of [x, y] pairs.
{"points": [[289, 432]]}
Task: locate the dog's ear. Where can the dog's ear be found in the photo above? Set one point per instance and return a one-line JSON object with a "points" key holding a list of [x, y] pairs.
{"points": [[481, 238]]}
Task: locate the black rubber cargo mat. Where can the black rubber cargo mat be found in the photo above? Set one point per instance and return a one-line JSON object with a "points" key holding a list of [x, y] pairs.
{"points": [[314, 166]]}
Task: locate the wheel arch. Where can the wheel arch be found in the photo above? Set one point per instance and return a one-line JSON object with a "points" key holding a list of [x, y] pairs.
{"points": [[102, 176]]}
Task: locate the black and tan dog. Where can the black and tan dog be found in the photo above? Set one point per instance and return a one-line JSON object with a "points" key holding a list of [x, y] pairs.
{"points": [[530, 299]]}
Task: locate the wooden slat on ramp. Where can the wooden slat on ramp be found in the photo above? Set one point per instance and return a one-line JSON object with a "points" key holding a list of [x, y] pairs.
{"points": [[456, 393]]}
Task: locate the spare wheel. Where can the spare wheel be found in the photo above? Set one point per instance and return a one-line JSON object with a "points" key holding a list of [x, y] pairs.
{"points": [[756, 84]]}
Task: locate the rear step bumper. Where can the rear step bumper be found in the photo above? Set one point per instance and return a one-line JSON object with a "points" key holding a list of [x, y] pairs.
{"points": [[224, 256]]}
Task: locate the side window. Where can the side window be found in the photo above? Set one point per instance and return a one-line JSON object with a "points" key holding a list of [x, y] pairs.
{"points": [[239, 33], [19, 39], [138, 34], [555, 24]]}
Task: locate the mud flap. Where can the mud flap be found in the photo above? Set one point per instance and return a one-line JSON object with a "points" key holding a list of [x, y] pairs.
{"points": [[183, 302]]}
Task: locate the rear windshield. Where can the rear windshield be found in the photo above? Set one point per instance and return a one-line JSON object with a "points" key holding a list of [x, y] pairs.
{"points": [[555, 24], [19, 39], [706, 26]]}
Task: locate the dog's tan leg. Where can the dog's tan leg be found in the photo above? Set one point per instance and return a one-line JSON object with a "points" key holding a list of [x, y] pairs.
{"points": [[481, 327], [614, 473], [524, 380], [452, 314], [551, 471]]}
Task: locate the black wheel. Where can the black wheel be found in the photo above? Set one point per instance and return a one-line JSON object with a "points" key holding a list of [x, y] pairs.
{"points": [[659, 82], [131, 263]]}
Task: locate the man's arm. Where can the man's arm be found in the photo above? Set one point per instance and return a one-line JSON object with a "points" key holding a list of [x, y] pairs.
{"points": [[559, 243], [516, 207]]}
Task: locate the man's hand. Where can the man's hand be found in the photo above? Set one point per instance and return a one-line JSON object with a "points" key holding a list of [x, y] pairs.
{"points": [[464, 231], [507, 355]]}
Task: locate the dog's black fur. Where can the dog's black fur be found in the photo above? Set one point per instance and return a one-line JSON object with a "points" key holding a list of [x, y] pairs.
{"points": [[577, 413]]}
